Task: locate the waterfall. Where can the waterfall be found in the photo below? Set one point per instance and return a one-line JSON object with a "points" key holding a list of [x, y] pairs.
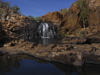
{"points": [[46, 30]]}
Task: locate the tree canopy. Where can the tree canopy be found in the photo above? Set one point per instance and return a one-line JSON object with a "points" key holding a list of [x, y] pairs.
{"points": [[82, 6], [32, 18], [16, 9]]}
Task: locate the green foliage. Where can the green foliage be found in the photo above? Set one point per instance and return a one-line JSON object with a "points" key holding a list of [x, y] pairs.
{"points": [[63, 33], [4, 4], [84, 15], [23, 15], [7, 4], [63, 11], [16, 9], [37, 18], [0, 12], [32, 18], [82, 6]]}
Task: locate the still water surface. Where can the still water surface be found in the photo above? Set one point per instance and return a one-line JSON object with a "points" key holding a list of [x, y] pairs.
{"points": [[27, 65]]}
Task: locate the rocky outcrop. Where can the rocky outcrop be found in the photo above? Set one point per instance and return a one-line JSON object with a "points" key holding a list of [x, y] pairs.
{"points": [[70, 23], [15, 26], [53, 17], [21, 27], [64, 53]]}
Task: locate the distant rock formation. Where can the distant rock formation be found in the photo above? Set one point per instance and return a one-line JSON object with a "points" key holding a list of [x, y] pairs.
{"points": [[53, 17]]}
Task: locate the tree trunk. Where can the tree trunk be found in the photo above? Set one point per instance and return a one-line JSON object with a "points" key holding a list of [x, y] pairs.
{"points": [[83, 23]]}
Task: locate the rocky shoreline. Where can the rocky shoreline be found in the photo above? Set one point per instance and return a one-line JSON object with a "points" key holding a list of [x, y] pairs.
{"points": [[74, 54], [82, 46]]}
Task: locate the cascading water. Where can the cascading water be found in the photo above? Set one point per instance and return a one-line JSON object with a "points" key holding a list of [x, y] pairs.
{"points": [[46, 30], [42, 33]]}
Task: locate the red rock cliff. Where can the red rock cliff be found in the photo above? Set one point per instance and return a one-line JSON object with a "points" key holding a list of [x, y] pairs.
{"points": [[53, 17]]}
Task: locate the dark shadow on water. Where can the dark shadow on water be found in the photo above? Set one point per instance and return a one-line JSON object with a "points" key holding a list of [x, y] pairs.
{"points": [[27, 65]]}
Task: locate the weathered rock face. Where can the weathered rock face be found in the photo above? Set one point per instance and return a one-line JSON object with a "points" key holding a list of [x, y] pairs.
{"points": [[94, 10], [70, 21], [21, 27], [52, 17], [64, 53], [6, 13], [14, 26], [3, 35]]}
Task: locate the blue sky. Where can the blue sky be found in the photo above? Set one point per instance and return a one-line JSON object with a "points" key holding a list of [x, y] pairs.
{"points": [[40, 7]]}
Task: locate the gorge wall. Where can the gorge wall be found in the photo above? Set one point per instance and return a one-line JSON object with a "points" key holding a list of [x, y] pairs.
{"points": [[70, 23], [14, 26]]}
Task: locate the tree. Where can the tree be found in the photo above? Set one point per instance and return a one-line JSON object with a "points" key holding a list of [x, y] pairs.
{"points": [[22, 14], [31, 17], [16, 9], [63, 11], [4, 4], [7, 4], [82, 6], [37, 18], [83, 16]]}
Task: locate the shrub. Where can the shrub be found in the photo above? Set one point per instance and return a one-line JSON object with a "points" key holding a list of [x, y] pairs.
{"points": [[16, 9], [37, 18], [82, 6], [4, 4], [32, 18], [63, 34], [63, 11]]}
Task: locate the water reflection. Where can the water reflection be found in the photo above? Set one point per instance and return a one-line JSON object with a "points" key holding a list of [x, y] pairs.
{"points": [[27, 65]]}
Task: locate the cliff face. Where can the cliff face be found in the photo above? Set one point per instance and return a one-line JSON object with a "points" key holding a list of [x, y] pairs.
{"points": [[20, 27], [71, 25], [70, 21], [14, 26], [94, 10], [53, 17]]}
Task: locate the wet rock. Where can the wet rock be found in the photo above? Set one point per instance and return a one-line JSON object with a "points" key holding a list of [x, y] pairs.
{"points": [[78, 63]]}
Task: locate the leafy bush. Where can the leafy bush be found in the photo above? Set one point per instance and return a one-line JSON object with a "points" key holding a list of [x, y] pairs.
{"points": [[16, 9], [37, 18], [32, 18], [0, 12], [63, 33], [4, 4], [63, 11]]}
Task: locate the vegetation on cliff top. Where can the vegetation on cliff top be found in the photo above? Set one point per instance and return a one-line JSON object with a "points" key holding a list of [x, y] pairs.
{"points": [[63, 11], [7, 5], [82, 6], [16, 9], [32, 18]]}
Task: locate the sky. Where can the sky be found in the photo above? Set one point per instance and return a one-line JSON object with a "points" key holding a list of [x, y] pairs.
{"points": [[38, 8]]}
